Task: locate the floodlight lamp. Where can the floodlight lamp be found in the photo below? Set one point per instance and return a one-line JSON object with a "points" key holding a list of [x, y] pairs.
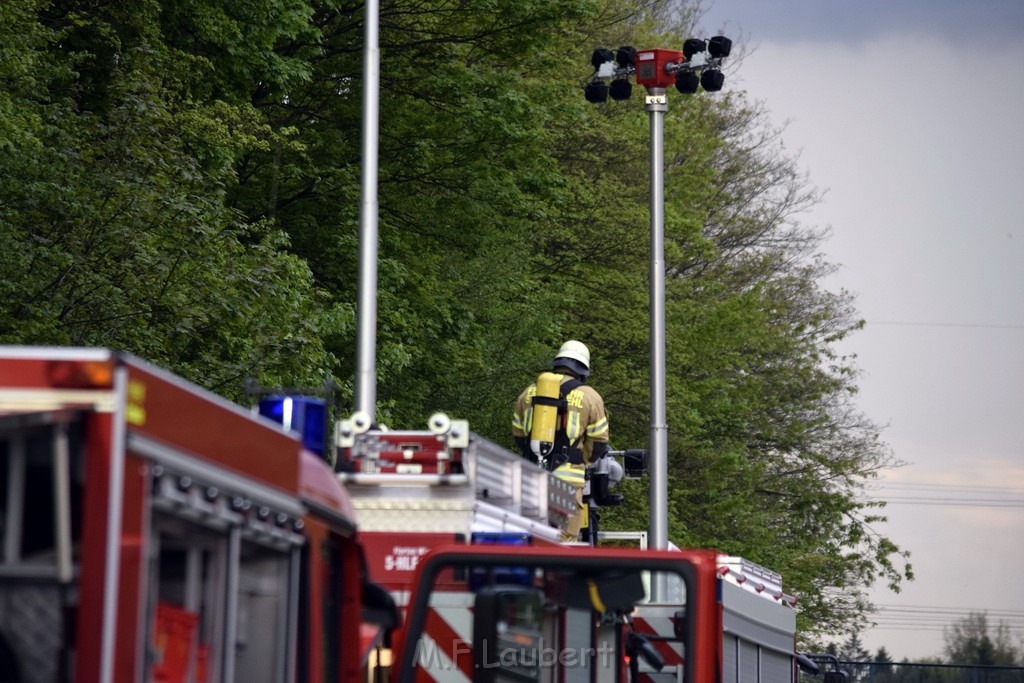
{"points": [[712, 80], [687, 82], [625, 56], [621, 89], [596, 92], [600, 56], [691, 47], [719, 47]]}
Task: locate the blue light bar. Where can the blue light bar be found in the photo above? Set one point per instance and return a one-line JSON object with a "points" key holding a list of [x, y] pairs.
{"points": [[479, 576], [500, 538], [302, 414]]}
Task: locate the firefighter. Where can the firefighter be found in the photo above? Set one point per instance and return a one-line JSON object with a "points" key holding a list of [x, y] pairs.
{"points": [[581, 430]]}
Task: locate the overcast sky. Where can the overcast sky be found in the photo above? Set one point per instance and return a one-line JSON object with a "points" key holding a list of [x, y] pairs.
{"points": [[910, 113]]}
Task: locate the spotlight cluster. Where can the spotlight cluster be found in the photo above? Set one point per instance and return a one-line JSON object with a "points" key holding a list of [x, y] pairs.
{"points": [[657, 69]]}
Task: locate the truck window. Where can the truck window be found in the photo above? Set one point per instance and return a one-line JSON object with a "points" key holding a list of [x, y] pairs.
{"points": [[188, 577], [262, 635], [41, 473], [223, 596], [33, 491], [330, 555], [508, 633]]}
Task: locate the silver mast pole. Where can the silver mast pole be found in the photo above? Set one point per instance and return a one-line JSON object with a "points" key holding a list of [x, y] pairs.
{"points": [[656, 104], [366, 344]]}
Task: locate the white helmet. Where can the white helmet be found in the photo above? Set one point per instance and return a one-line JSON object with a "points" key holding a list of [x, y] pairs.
{"points": [[574, 355]]}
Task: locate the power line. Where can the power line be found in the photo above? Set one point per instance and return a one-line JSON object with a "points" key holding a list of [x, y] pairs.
{"points": [[979, 326], [934, 628], [970, 487], [920, 612], [949, 610], [1010, 625], [915, 493], [1014, 631], [937, 619], [912, 500], [1015, 624], [942, 621]]}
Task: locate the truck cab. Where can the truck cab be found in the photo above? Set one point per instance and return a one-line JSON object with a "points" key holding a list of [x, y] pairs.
{"points": [[152, 531], [554, 614]]}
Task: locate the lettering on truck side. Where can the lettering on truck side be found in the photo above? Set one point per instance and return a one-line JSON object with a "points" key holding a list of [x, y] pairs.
{"points": [[404, 558]]}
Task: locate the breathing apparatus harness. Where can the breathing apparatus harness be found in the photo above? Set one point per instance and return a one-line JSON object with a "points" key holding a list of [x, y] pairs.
{"points": [[549, 438]]}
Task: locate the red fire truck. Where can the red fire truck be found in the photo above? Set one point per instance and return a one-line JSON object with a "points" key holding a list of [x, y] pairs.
{"points": [[466, 536], [151, 531]]}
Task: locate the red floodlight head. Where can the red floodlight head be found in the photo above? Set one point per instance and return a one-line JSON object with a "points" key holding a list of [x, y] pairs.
{"points": [[650, 67]]}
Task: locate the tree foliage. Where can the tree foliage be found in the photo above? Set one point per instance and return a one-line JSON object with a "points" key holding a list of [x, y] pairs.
{"points": [[182, 180], [114, 185], [852, 651], [975, 640]]}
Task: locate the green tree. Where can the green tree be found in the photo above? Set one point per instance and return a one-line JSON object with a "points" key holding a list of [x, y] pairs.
{"points": [[852, 651], [973, 640], [181, 179], [114, 188], [883, 668], [464, 172]]}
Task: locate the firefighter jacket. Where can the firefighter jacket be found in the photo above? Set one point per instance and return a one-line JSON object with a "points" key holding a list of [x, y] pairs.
{"points": [[583, 424]]}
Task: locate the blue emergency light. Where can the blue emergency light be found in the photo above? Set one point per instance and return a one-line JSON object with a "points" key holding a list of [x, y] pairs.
{"points": [[302, 414], [480, 577]]}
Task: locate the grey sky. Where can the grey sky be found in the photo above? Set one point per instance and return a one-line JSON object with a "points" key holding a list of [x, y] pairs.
{"points": [[968, 25], [911, 115]]}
